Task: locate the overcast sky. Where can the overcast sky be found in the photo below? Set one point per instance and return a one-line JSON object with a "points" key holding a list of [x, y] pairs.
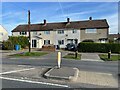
{"points": [[14, 14]]}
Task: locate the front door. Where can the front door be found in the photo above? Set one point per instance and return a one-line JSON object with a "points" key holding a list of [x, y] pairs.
{"points": [[34, 43]]}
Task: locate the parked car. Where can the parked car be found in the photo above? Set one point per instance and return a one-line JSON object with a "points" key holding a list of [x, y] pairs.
{"points": [[71, 47]]}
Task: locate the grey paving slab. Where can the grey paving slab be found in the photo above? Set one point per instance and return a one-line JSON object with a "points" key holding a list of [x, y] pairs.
{"points": [[90, 57], [66, 73]]}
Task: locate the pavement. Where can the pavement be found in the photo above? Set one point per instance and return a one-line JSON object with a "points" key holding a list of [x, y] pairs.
{"points": [[90, 57]]}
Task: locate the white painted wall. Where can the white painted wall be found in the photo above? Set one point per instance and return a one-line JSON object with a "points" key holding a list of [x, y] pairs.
{"points": [[3, 34], [18, 34], [69, 34], [53, 37]]}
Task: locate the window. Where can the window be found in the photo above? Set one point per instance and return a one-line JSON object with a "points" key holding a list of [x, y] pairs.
{"points": [[34, 33], [23, 33], [91, 31], [60, 31], [46, 42], [74, 31], [60, 42], [46, 32], [1, 34]]}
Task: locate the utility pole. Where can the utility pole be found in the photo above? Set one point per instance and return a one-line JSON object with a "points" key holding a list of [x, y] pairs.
{"points": [[29, 30]]}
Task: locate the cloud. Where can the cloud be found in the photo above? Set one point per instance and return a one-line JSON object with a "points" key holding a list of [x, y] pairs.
{"points": [[11, 18]]}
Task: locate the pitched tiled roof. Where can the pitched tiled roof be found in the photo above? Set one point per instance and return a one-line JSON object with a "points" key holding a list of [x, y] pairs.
{"points": [[114, 36], [61, 25]]}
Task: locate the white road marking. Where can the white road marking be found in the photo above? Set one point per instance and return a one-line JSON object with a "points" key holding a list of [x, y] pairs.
{"points": [[35, 82], [105, 74], [16, 71], [92, 60]]}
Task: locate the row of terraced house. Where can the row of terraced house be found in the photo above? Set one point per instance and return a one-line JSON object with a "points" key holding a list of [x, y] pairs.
{"points": [[62, 33]]}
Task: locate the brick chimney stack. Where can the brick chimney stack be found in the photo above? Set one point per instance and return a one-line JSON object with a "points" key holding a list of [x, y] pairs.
{"points": [[45, 22], [90, 18], [68, 20]]}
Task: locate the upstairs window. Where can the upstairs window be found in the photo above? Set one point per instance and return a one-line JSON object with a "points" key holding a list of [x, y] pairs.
{"points": [[60, 31], [91, 31], [23, 33], [34, 33], [1, 34], [46, 32], [74, 31]]}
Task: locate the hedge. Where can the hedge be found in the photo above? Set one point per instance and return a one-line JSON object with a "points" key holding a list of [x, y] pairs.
{"points": [[12, 41], [99, 47], [21, 40], [7, 45]]}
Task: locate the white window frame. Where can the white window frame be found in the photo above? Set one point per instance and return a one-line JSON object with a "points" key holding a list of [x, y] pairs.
{"points": [[91, 30], [1, 34], [46, 32], [74, 31], [46, 42], [23, 33], [34, 33], [60, 31], [60, 42]]}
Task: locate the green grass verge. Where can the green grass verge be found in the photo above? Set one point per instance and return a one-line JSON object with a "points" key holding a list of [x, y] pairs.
{"points": [[30, 54], [113, 57], [72, 56]]}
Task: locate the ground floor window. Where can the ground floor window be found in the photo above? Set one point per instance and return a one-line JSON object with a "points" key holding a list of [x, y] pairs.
{"points": [[34, 43], [60, 42], [46, 42]]}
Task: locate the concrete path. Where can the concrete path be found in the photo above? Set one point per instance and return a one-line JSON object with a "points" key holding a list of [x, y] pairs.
{"points": [[53, 55], [90, 57]]}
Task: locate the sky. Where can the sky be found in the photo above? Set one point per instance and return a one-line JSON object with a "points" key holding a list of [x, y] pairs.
{"points": [[16, 13]]}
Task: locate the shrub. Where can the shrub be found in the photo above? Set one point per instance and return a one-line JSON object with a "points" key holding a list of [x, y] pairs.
{"points": [[98, 47], [21, 40], [12, 41], [7, 45]]}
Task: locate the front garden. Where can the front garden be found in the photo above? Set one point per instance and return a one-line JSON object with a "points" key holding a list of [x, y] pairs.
{"points": [[112, 58], [73, 56], [33, 54]]}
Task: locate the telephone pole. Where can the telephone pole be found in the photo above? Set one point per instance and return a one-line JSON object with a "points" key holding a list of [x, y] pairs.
{"points": [[29, 30]]}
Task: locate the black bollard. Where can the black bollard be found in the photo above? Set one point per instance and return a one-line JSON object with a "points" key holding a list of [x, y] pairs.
{"points": [[109, 54], [76, 53]]}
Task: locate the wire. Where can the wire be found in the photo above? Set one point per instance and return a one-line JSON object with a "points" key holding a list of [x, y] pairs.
{"points": [[19, 7], [61, 8]]}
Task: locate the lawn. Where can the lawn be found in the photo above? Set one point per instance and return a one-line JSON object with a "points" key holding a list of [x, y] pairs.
{"points": [[72, 56], [30, 54], [113, 57]]}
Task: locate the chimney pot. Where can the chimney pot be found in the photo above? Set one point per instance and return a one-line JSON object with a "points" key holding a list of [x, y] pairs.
{"points": [[68, 20], [44, 21], [90, 18]]}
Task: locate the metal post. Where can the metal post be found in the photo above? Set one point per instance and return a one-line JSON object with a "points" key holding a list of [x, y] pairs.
{"points": [[76, 54], [29, 30], [59, 59], [109, 54]]}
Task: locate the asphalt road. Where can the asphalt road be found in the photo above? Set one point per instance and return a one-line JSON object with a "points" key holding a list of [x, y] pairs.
{"points": [[105, 67], [19, 84], [51, 61]]}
